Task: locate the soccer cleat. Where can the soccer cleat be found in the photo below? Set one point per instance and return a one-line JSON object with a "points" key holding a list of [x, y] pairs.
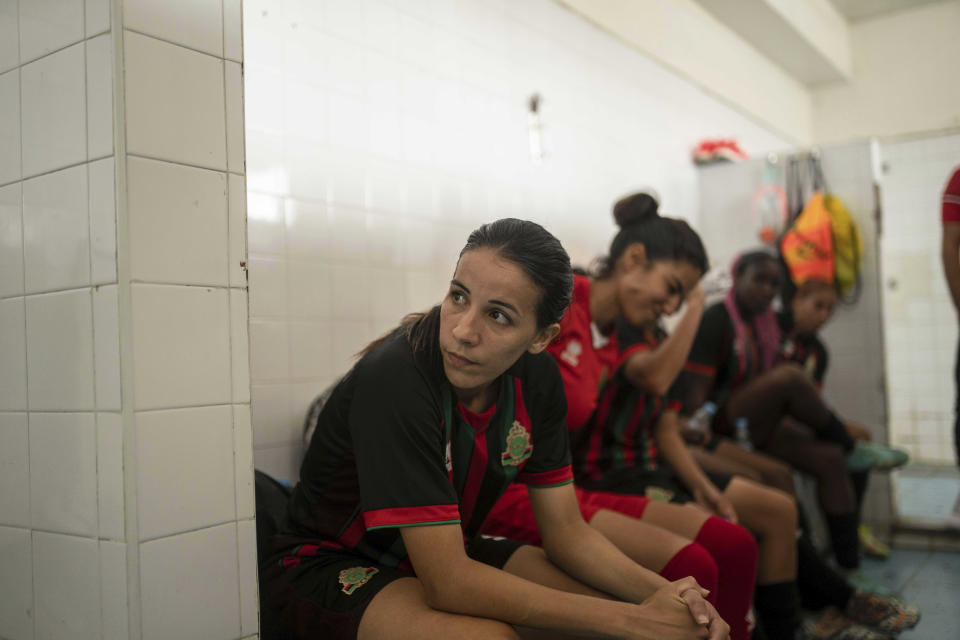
{"points": [[871, 545], [889, 615], [877, 457], [833, 625]]}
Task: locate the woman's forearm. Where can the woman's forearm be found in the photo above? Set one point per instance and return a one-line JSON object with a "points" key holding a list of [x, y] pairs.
{"points": [[656, 370]]}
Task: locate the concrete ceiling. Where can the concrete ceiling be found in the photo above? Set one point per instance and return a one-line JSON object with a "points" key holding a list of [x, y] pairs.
{"points": [[854, 10]]}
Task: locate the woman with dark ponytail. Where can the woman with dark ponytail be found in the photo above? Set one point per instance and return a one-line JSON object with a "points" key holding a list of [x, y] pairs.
{"points": [[653, 265], [413, 448]]}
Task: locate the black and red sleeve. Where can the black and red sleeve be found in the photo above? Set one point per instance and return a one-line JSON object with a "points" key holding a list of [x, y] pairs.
{"points": [[706, 353], [396, 424], [549, 464]]}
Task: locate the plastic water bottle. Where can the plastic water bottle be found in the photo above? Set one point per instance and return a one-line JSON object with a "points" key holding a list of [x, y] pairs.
{"points": [[702, 418], [743, 434]]}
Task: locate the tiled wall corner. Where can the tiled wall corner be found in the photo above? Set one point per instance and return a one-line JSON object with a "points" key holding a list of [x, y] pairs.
{"points": [[162, 184]]}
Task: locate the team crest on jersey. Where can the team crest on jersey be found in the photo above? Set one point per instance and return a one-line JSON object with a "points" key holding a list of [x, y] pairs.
{"points": [[571, 354], [519, 446], [355, 577]]}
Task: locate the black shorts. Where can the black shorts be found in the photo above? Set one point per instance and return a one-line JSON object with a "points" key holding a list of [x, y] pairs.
{"points": [[311, 593], [660, 484]]}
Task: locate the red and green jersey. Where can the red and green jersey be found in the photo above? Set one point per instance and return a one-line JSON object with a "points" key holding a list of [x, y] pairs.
{"points": [[586, 357], [394, 449], [620, 435]]}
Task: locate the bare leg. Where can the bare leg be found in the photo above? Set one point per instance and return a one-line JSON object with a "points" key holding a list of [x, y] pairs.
{"points": [[645, 543], [772, 472], [714, 462], [400, 612], [772, 517]]}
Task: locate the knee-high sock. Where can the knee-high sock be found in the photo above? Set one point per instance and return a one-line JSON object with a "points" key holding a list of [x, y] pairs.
{"points": [[844, 538], [735, 552], [694, 560], [818, 583], [777, 609]]}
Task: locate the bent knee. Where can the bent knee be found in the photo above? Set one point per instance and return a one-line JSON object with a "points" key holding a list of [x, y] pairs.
{"points": [[789, 375]]}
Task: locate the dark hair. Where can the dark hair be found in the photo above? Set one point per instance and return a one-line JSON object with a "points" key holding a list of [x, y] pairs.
{"points": [[751, 258], [533, 249], [663, 238]]}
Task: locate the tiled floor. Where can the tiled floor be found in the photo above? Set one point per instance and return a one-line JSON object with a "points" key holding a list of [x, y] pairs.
{"points": [[924, 495], [927, 579]]}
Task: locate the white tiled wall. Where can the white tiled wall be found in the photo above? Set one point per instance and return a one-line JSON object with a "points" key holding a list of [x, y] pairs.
{"points": [[126, 488], [380, 132], [61, 478], [921, 324]]}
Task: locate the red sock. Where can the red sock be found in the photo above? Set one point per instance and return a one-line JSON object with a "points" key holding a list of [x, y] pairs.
{"points": [[735, 552], [694, 560]]}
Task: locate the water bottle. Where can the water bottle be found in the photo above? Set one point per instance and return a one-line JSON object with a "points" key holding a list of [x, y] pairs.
{"points": [[701, 420], [743, 434]]}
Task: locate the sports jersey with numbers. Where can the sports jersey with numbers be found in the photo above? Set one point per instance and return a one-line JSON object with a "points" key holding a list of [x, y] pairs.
{"points": [[805, 350], [393, 448]]}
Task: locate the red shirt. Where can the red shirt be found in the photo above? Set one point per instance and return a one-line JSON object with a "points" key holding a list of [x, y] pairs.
{"points": [[951, 198], [586, 359]]}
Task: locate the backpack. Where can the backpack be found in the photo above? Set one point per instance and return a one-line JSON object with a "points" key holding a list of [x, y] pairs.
{"points": [[824, 241]]}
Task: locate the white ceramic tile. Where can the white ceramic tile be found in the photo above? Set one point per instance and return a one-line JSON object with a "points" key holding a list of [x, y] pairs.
{"points": [[9, 126], [234, 98], [239, 346], [189, 586], [348, 121], [233, 30], [63, 472], [309, 282], [178, 223], [175, 103], [265, 224], [305, 169], [308, 229], [11, 242], [181, 336], [268, 291], [48, 25], [9, 35], [113, 588], [281, 462], [247, 548], [13, 356], [97, 16], [269, 350], [56, 231], [275, 420], [305, 110], [185, 475], [106, 348], [264, 100], [243, 460], [65, 605], [351, 290], [99, 97], [384, 248], [197, 24], [103, 222], [311, 349], [237, 223], [60, 351], [387, 296], [16, 584], [53, 107], [349, 227], [14, 471], [110, 475]]}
